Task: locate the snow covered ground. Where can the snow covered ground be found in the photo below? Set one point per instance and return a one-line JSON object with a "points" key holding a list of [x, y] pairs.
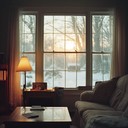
{"points": [[73, 79]]}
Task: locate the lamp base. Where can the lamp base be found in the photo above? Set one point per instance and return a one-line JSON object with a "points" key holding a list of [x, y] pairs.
{"points": [[24, 87]]}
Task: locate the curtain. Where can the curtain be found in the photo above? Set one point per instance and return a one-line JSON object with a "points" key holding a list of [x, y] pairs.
{"points": [[118, 53], [14, 89]]}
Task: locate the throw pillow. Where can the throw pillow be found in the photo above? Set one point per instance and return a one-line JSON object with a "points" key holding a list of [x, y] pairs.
{"points": [[103, 91]]}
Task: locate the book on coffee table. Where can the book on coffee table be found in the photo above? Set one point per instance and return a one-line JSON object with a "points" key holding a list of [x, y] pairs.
{"points": [[30, 115]]}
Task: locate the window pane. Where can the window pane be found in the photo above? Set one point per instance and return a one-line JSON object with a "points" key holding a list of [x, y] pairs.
{"points": [[48, 24], [27, 33], [59, 22], [59, 61], [48, 77], [69, 24], [102, 33], [58, 42], [101, 67], [48, 42], [59, 81], [70, 79], [81, 69], [81, 78], [70, 44]]}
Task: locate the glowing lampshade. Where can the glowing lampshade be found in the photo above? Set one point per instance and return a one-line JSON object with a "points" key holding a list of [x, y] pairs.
{"points": [[24, 65]]}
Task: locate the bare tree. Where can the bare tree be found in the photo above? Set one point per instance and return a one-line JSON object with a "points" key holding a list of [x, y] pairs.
{"points": [[79, 31]]}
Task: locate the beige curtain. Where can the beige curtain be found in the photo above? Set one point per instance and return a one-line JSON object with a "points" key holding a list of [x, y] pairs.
{"points": [[15, 92], [118, 54]]}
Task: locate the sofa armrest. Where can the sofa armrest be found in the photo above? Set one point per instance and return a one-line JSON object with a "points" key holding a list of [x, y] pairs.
{"points": [[86, 96]]}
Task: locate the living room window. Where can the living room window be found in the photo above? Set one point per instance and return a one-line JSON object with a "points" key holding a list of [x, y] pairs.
{"points": [[66, 50], [102, 40]]}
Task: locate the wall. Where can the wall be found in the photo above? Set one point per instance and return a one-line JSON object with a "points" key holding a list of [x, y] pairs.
{"points": [[126, 35], [60, 3], [3, 29]]}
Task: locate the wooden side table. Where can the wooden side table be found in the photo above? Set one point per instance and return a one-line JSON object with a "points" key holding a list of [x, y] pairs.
{"points": [[40, 97]]}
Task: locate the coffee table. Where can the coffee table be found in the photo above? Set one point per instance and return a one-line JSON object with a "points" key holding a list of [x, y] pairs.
{"points": [[50, 117]]}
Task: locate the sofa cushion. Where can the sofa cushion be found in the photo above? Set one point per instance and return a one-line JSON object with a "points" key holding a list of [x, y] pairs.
{"points": [[84, 105], [123, 103], [119, 99], [88, 114], [103, 91], [125, 113], [99, 121]]}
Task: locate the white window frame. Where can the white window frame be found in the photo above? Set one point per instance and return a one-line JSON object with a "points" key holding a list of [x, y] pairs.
{"points": [[39, 12]]}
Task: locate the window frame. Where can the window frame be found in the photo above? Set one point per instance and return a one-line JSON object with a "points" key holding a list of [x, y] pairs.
{"points": [[41, 12], [92, 13]]}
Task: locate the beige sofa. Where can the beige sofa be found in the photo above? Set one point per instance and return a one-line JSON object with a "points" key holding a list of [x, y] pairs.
{"points": [[106, 106]]}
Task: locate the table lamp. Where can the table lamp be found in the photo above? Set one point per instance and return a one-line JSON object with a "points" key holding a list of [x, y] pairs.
{"points": [[23, 66]]}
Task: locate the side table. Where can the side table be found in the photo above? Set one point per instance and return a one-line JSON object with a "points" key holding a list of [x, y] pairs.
{"points": [[40, 97]]}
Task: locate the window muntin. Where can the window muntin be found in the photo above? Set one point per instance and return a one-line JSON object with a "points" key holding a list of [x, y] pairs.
{"points": [[64, 59]]}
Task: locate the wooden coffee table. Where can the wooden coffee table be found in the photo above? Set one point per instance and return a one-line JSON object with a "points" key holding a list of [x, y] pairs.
{"points": [[51, 117]]}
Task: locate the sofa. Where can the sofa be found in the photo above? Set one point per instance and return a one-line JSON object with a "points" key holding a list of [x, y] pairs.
{"points": [[105, 106]]}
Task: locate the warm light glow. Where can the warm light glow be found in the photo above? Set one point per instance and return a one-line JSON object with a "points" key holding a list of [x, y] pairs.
{"points": [[24, 65], [70, 45]]}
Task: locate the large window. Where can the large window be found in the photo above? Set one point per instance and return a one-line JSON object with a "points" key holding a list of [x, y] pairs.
{"points": [[67, 50]]}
